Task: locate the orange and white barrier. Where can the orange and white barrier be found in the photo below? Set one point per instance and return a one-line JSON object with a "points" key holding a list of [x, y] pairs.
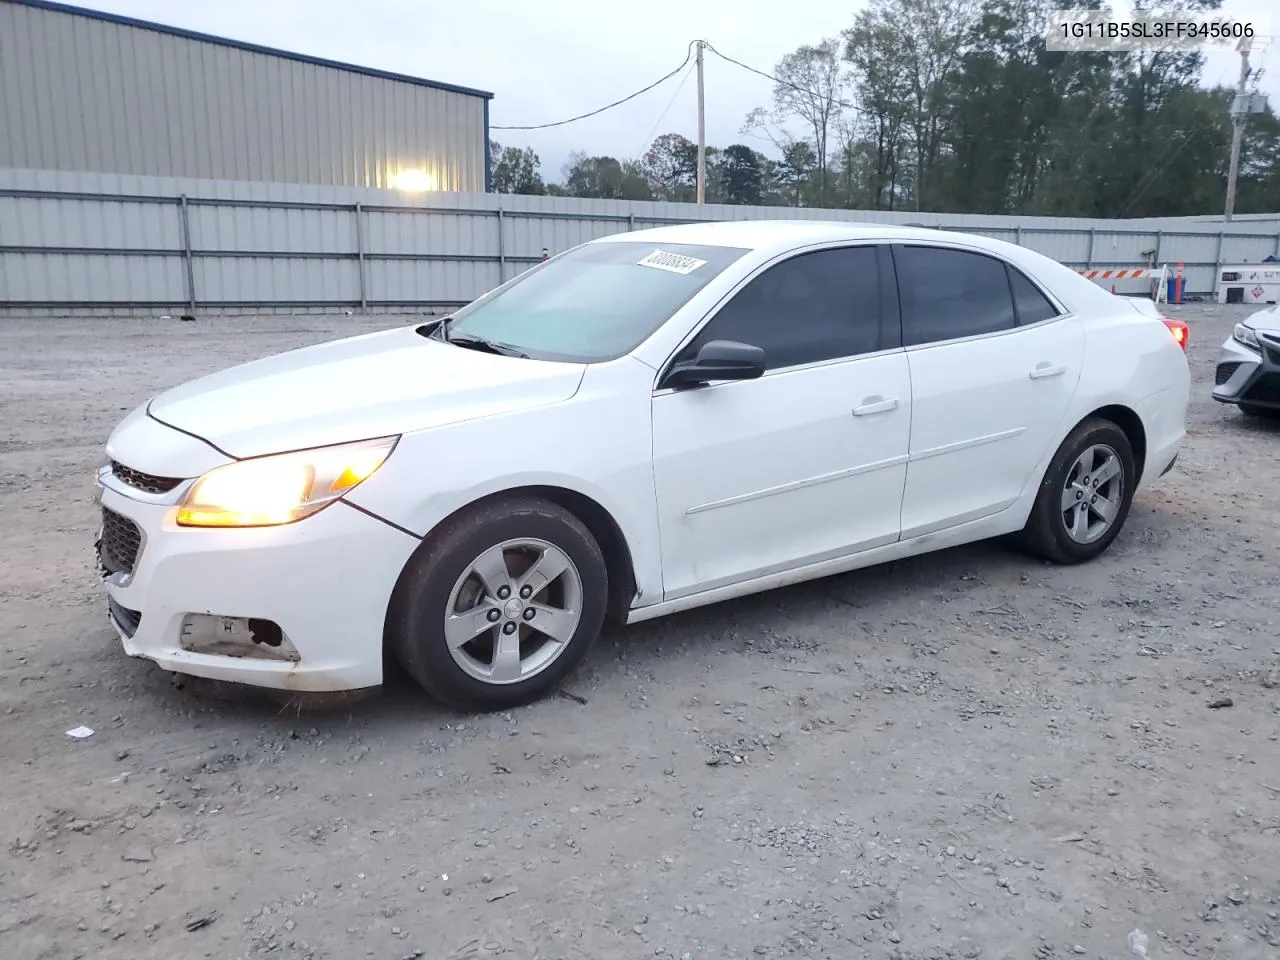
{"points": [[1135, 273]]}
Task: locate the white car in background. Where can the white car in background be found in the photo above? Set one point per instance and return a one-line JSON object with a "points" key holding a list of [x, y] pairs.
{"points": [[643, 424], [1248, 370]]}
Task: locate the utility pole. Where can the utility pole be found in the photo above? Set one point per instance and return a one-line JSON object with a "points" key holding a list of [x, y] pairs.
{"points": [[702, 132], [1239, 112]]}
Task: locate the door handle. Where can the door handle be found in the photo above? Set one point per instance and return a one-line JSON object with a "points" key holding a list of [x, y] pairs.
{"points": [[1043, 370], [874, 405]]}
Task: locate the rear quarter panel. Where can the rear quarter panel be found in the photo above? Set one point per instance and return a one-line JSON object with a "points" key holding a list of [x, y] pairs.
{"points": [[1132, 360]]}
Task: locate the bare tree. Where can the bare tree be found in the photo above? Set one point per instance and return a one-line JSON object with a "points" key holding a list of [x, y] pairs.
{"points": [[809, 87]]}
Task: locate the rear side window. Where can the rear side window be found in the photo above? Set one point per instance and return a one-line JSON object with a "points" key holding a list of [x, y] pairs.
{"points": [[948, 294], [1032, 305]]}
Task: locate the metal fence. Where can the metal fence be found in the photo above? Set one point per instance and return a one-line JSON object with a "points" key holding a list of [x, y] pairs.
{"points": [[108, 244]]}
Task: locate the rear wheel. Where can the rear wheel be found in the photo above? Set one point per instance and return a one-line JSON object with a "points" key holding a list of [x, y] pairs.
{"points": [[498, 607], [1085, 495]]}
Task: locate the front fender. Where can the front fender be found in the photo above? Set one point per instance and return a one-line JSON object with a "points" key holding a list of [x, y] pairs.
{"points": [[597, 444]]}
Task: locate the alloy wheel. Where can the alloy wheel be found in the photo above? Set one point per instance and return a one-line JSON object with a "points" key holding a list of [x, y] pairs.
{"points": [[1093, 493], [513, 611]]}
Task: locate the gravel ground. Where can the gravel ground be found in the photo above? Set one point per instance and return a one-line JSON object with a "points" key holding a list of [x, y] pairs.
{"points": [[968, 755]]}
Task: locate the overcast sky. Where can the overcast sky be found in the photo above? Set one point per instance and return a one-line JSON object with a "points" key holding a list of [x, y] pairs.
{"points": [[546, 60]]}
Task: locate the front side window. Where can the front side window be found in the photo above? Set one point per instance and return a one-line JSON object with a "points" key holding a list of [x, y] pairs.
{"points": [[947, 294], [817, 306], [595, 302]]}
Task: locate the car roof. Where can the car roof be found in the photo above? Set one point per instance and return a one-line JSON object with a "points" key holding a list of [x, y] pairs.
{"points": [[765, 235], [774, 237]]}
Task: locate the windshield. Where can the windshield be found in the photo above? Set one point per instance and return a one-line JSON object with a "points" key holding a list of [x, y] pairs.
{"points": [[595, 302]]}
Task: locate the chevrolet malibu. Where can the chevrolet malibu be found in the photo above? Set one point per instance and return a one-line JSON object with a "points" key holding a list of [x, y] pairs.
{"points": [[644, 424]]}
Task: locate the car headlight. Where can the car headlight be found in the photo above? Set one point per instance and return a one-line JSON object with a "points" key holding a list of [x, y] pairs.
{"points": [[282, 488], [1245, 335]]}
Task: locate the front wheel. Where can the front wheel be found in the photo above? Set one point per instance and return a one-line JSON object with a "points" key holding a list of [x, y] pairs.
{"points": [[500, 605], [1085, 495]]}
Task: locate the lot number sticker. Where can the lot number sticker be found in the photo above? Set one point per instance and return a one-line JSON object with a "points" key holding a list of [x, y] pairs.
{"points": [[672, 262]]}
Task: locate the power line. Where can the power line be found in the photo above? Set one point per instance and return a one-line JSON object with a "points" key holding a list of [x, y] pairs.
{"points": [[1149, 181], [610, 106], [1012, 139], [1156, 168], [1050, 143], [859, 110], [666, 109], [780, 82], [745, 66]]}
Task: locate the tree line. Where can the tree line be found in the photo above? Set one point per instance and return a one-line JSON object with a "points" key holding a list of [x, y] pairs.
{"points": [[956, 106]]}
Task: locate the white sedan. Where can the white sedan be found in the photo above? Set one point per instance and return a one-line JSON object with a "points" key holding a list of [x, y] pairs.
{"points": [[645, 423]]}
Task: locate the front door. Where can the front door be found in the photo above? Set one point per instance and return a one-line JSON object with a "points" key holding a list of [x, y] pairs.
{"points": [[807, 462]]}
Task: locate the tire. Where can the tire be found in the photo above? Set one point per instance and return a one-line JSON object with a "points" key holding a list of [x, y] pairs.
{"points": [[1047, 534], [1263, 413], [440, 581]]}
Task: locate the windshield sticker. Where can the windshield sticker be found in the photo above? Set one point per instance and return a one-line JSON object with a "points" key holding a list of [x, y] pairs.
{"points": [[672, 262]]}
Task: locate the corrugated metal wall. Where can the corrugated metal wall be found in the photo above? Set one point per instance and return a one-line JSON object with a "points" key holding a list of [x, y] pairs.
{"points": [[106, 244], [82, 93]]}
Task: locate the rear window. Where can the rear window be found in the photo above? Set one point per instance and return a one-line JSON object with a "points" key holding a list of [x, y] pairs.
{"points": [[595, 302], [1032, 305]]}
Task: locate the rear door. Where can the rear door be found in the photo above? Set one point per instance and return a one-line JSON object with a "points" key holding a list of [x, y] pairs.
{"points": [[994, 366]]}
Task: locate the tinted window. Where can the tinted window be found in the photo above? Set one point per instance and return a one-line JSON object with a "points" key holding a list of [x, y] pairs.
{"points": [[594, 302], [816, 306], [951, 293], [1033, 306]]}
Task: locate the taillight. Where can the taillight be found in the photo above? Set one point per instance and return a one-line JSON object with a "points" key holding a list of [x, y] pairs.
{"points": [[1179, 330]]}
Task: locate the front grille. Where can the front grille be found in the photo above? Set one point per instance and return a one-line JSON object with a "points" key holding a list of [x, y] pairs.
{"points": [[1225, 370], [120, 542], [146, 482], [1272, 347], [1266, 389], [126, 619]]}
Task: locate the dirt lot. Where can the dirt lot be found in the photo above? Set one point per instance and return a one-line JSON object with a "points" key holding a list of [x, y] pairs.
{"points": [[967, 755]]}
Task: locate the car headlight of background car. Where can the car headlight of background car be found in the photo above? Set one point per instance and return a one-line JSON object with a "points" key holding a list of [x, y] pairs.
{"points": [[282, 488], [1245, 335]]}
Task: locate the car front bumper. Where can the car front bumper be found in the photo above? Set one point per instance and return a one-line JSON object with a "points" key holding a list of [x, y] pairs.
{"points": [[1249, 376], [299, 607]]}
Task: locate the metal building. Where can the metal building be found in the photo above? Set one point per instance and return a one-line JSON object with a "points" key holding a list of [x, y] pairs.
{"points": [[93, 92]]}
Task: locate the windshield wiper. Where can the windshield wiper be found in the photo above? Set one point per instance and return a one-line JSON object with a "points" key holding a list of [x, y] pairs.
{"points": [[471, 341]]}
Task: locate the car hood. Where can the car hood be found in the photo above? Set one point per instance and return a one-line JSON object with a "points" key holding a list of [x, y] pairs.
{"points": [[390, 382], [1268, 319]]}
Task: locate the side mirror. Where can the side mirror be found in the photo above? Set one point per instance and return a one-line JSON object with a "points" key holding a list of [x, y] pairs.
{"points": [[717, 360]]}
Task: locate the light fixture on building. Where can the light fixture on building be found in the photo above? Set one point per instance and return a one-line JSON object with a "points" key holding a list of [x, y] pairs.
{"points": [[413, 181]]}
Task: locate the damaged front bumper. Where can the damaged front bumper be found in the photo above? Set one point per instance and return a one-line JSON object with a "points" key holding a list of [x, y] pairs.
{"points": [[297, 607]]}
